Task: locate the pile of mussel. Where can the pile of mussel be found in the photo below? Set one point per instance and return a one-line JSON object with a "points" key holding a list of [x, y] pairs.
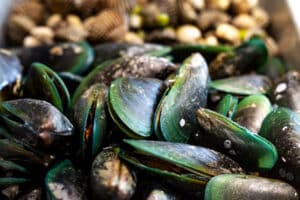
{"points": [[126, 121]]}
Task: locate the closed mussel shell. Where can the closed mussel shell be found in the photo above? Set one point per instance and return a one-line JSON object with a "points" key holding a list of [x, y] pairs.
{"points": [[195, 160], [110, 178], [90, 119], [282, 127], [52, 88], [37, 123], [175, 118], [67, 57], [251, 112], [243, 85], [286, 92], [10, 73], [63, 181], [250, 55], [136, 66], [132, 102], [245, 187], [227, 105], [224, 135]]}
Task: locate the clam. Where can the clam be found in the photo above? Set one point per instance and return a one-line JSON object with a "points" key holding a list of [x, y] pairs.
{"points": [[184, 166], [175, 118], [281, 127], [52, 88], [227, 105], [252, 53], [113, 26], [110, 177], [124, 5], [211, 18], [90, 119], [243, 84], [63, 181], [66, 57], [246, 187], [132, 103], [224, 135], [251, 112]]}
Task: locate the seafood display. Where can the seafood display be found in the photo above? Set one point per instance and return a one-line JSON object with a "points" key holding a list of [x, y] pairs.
{"points": [[146, 99]]}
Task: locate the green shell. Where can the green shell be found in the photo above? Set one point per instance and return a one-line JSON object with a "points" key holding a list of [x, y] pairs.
{"points": [[67, 57], [50, 86], [64, 182], [227, 105], [222, 134], [282, 128], [251, 112], [252, 53], [245, 187], [177, 111], [90, 119], [195, 159], [243, 85], [132, 103]]}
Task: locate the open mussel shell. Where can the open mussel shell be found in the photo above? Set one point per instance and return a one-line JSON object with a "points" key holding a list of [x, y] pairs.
{"points": [[10, 73], [245, 187], [37, 123], [71, 81], [175, 118], [251, 112], [63, 181], [132, 103], [110, 178], [252, 53], [227, 105], [117, 50], [243, 85], [282, 127], [286, 92], [137, 66], [51, 87], [90, 118], [180, 164], [224, 135], [66, 57]]}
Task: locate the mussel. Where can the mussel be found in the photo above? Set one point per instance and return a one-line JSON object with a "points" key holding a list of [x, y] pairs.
{"points": [[246, 187], [184, 166]]}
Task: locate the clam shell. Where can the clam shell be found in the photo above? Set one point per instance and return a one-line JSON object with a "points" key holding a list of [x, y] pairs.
{"points": [[109, 25]]}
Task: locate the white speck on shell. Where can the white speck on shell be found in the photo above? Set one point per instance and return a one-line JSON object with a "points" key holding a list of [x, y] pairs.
{"points": [[281, 87]]}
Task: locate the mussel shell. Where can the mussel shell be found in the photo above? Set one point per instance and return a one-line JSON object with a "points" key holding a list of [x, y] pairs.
{"points": [[251, 112], [273, 68], [117, 50], [10, 73], [286, 92], [137, 66], [245, 187], [224, 135], [243, 85], [227, 105], [90, 119], [71, 81], [63, 181], [37, 123], [194, 159], [52, 88], [252, 53], [132, 103], [282, 127], [175, 118], [110, 178], [67, 57]]}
